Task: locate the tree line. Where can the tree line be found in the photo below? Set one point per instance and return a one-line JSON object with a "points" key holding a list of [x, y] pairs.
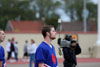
{"points": [[39, 9]]}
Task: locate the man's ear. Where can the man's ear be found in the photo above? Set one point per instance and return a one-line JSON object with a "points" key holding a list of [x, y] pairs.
{"points": [[47, 33]]}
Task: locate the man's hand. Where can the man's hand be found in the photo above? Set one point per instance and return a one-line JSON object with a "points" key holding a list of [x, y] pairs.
{"points": [[1, 62], [41, 65], [73, 45]]}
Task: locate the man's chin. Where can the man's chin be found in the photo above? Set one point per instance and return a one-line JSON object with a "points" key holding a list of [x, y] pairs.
{"points": [[53, 38], [1, 40]]}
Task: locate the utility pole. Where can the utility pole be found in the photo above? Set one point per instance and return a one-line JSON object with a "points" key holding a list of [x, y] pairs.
{"points": [[98, 39], [85, 15], [60, 27], [96, 49]]}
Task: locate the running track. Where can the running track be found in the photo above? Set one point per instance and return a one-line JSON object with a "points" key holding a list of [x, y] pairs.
{"points": [[60, 60]]}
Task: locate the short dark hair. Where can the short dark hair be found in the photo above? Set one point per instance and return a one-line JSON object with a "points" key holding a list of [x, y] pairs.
{"points": [[45, 29], [1, 29], [32, 41]]}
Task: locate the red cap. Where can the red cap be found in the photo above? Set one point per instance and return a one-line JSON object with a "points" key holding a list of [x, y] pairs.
{"points": [[13, 38]]}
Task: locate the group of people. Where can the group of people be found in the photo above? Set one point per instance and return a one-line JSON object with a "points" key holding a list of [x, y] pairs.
{"points": [[29, 53], [44, 55], [12, 49]]}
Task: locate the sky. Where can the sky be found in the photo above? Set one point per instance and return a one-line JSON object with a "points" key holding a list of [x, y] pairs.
{"points": [[95, 1], [65, 17]]}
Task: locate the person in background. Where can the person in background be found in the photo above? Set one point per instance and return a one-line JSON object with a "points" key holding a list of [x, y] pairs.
{"points": [[25, 49], [12, 48], [2, 52], [45, 54], [32, 51], [16, 50], [70, 53], [8, 49]]}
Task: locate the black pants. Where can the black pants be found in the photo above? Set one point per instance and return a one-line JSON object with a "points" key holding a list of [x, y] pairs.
{"points": [[9, 55], [69, 64], [16, 56]]}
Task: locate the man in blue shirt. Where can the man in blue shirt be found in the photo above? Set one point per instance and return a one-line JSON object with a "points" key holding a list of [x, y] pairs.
{"points": [[45, 54], [2, 52]]}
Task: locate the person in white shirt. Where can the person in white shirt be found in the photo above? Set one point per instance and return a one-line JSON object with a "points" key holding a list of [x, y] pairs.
{"points": [[8, 49], [32, 51]]}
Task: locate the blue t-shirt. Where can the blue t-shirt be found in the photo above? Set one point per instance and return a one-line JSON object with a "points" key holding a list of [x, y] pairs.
{"points": [[2, 56], [45, 54]]}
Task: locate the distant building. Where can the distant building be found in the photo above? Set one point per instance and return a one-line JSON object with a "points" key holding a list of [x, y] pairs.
{"points": [[24, 26], [77, 27], [36, 26]]}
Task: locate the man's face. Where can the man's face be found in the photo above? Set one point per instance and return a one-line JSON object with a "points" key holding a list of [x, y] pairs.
{"points": [[74, 44], [52, 33], [2, 36]]}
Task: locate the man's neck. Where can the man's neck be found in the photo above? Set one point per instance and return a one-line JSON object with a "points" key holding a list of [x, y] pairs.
{"points": [[48, 41]]}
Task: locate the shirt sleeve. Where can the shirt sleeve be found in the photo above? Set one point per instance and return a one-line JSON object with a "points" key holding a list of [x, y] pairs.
{"points": [[41, 55], [78, 49]]}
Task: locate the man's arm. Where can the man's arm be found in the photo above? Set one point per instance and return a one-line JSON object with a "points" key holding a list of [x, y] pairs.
{"points": [[78, 49], [41, 65], [1, 62]]}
